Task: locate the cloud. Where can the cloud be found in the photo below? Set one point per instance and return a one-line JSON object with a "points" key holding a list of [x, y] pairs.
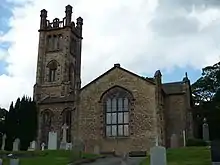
{"points": [[141, 35]]}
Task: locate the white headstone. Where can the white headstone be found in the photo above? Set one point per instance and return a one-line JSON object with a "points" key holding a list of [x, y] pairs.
{"points": [[33, 146], [52, 142], [184, 138], [3, 141], [158, 156], [64, 128], [42, 146], [16, 144]]}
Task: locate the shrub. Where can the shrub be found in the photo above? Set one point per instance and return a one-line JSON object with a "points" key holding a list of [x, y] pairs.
{"points": [[196, 142]]}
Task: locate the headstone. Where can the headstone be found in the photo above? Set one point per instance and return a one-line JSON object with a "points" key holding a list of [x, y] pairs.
{"points": [[1, 161], [33, 146], [184, 138], [14, 161], [78, 146], [52, 142], [97, 150], [174, 141], [16, 144], [69, 146], [63, 144], [158, 156], [215, 152], [42, 146], [3, 142], [205, 130]]}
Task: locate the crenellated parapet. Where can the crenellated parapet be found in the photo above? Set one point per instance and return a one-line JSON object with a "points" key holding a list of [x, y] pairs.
{"points": [[57, 23]]}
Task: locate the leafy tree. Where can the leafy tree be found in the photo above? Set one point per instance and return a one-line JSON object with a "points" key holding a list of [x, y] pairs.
{"points": [[206, 95]]}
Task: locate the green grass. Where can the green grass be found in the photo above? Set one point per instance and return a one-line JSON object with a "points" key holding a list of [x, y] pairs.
{"points": [[58, 157], [186, 156]]}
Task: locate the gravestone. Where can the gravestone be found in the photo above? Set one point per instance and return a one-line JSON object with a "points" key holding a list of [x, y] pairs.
{"points": [[1, 161], [3, 142], [97, 150], [33, 146], [205, 130], [52, 142], [69, 146], [63, 144], [42, 146], [174, 141], [14, 161], [16, 144], [184, 138], [158, 156], [215, 152]]}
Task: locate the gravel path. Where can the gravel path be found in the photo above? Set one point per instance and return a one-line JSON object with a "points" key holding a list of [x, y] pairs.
{"points": [[116, 161]]}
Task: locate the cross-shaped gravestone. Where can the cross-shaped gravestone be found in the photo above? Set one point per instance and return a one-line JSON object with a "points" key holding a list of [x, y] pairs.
{"points": [[64, 128], [42, 146]]}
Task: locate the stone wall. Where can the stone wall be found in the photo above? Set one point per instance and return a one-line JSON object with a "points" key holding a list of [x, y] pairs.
{"points": [[142, 115]]}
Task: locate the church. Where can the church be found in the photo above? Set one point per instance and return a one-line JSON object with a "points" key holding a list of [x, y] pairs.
{"points": [[118, 111]]}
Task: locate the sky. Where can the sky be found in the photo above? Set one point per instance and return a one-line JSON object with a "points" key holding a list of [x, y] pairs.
{"points": [[175, 36]]}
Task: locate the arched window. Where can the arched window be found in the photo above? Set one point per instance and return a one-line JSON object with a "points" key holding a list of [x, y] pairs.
{"points": [[116, 108], [67, 119], [46, 118], [52, 71]]}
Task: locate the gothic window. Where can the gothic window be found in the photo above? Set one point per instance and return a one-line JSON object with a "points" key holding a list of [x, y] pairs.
{"points": [[46, 118], [116, 109], [52, 71], [67, 119], [54, 42], [50, 43]]}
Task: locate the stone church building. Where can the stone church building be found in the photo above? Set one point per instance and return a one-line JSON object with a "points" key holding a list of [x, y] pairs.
{"points": [[119, 110]]}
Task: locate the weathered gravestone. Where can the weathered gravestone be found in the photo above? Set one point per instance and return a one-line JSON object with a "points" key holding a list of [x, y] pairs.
{"points": [[63, 144], [158, 156], [3, 141], [174, 141], [14, 161], [1, 161], [33, 146], [97, 150], [205, 130], [16, 144], [215, 152], [52, 142], [42, 146], [78, 147]]}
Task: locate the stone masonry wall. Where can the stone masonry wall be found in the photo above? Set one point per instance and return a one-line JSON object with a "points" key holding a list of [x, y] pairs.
{"points": [[142, 116]]}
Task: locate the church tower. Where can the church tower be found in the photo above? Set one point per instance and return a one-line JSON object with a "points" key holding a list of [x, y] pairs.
{"points": [[58, 77]]}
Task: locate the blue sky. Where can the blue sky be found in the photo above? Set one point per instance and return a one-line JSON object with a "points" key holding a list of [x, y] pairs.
{"points": [[174, 36], [5, 14]]}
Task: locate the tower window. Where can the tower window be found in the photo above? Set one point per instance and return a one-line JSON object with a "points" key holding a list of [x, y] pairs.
{"points": [[52, 71], [54, 42]]}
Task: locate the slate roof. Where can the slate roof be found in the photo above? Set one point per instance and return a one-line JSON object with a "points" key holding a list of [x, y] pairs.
{"points": [[173, 88]]}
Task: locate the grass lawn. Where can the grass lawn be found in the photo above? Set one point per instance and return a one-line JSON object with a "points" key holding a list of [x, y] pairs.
{"points": [[58, 157], [186, 156]]}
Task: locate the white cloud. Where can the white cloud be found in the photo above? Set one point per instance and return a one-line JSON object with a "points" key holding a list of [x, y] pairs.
{"points": [[141, 35]]}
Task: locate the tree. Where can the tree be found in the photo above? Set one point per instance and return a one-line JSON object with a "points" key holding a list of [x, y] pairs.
{"points": [[206, 95], [21, 122]]}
